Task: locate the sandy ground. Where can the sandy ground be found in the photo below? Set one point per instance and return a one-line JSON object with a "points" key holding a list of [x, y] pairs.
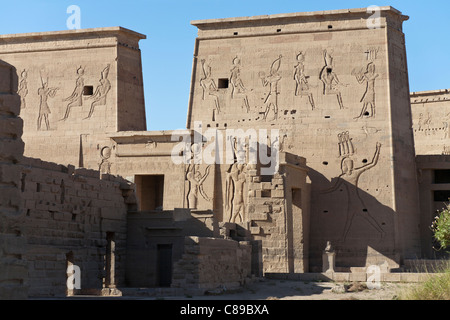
{"points": [[298, 290]]}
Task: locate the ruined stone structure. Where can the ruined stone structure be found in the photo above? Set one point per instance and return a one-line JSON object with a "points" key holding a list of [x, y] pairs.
{"points": [[304, 151], [13, 270]]}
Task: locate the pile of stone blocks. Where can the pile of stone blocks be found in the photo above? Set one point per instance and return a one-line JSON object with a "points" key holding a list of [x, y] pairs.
{"points": [[211, 263]]}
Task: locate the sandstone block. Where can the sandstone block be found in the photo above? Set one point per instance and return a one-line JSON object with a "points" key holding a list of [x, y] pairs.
{"points": [[10, 104], [11, 149]]}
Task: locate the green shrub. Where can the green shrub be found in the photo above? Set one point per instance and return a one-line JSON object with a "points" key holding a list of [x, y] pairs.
{"points": [[441, 228]]}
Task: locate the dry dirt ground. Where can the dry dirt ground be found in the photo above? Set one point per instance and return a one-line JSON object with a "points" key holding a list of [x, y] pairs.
{"points": [[299, 290]]}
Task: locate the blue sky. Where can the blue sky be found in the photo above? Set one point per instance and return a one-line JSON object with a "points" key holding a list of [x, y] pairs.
{"points": [[168, 50]]}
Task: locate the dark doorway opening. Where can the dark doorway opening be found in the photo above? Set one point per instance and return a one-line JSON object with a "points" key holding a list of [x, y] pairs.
{"points": [[150, 192], [164, 265]]}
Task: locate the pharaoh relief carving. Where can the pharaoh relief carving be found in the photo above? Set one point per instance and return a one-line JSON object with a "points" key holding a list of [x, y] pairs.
{"points": [[235, 204], [210, 90], [330, 79], [367, 77], [272, 80], [302, 87], [196, 180], [22, 90], [44, 110], [348, 181], [76, 98], [101, 92], [236, 182], [238, 90]]}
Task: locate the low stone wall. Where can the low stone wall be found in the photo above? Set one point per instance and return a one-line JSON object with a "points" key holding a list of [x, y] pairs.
{"points": [[352, 277], [210, 263], [68, 215]]}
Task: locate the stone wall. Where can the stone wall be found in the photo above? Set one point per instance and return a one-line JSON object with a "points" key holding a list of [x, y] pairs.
{"points": [[210, 263], [13, 266], [69, 215]]}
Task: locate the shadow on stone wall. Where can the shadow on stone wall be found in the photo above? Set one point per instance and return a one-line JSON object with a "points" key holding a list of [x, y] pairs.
{"points": [[13, 265], [361, 230], [156, 241]]}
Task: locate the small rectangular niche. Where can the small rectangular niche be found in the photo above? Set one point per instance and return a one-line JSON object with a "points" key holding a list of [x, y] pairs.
{"points": [[88, 90], [441, 196], [266, 193], [223, 83], [441, 177]]}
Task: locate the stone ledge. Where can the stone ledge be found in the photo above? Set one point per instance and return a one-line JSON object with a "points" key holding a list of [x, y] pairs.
{"points": [[350, 277]]}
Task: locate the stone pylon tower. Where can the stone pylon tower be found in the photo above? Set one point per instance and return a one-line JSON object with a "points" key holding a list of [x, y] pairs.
{"points": [[335, 84], [76, 88]]}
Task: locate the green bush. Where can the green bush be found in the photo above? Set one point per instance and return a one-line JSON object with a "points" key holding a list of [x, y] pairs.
{"points": [[441, 228]]}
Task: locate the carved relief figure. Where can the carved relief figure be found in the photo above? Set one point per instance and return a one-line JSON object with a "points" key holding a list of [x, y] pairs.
{"points": [[330, 79], [427, 121], [301, 80], [369, 130], [286, 143], [348, 180], [345, 144], [23, 88], [44, 109], [208, 85], [372, 53], [101, 92], [446, 151], [196, 180], [420, 122], [105, 164], [238, 89], [235, 186], [368, 98], [446, 124], [76, 98], [271, 100]]}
